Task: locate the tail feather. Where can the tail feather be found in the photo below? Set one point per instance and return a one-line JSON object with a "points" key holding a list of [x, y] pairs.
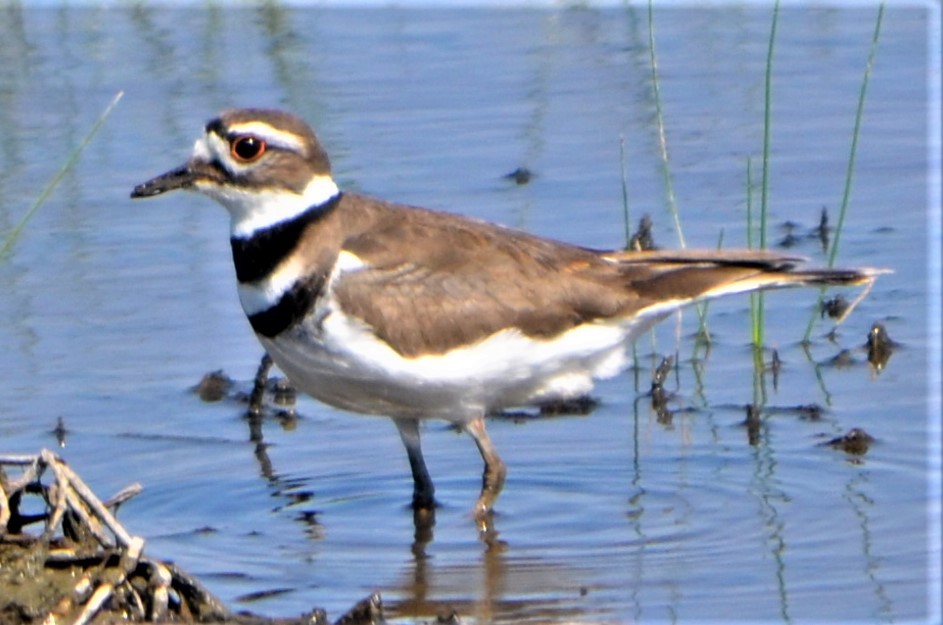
{"points": [[837, 277], [798, 277], [689, 275]]}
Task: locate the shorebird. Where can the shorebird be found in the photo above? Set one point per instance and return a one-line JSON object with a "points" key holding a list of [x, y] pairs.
{"points": [[380, 308]]}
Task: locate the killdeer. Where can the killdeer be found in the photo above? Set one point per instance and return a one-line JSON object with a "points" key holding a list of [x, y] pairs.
{"points": [[381, 308]]}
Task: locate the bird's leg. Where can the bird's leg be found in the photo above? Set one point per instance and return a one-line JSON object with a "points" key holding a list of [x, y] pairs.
{"points": [[493, 478], [423, 490]]}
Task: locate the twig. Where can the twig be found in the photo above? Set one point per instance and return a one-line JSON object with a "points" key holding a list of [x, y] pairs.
{"points": [[4, 510], [88, 497], [98, 599], [97, 586]]}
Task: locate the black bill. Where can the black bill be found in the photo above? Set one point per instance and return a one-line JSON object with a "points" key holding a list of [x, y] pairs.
{"points": [[180, 178]]}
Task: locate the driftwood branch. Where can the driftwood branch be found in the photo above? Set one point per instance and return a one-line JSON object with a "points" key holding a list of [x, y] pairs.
{"points": [[115, 580], [109, 557]]}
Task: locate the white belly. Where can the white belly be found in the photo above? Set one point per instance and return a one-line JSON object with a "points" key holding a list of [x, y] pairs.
{"points": [[340, 362]]}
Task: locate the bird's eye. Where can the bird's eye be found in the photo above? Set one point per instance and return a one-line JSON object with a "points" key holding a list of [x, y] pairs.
{"points": [[246, 148]]}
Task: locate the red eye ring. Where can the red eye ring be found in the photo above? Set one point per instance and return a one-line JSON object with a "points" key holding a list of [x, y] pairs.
{"points": [[246, 148]]}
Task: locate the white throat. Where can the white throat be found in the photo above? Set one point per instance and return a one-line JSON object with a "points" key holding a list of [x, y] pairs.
{"points": [[251, 211]]}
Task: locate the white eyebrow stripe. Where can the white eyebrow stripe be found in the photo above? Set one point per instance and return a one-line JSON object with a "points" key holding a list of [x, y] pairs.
{"points": [[270, 134]]}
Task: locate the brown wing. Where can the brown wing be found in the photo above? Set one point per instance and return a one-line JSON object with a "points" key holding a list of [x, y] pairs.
{"points": [[435, 281]]}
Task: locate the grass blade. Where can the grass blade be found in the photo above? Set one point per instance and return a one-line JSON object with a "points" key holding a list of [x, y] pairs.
{"points": [[755, 334], [859, 113], [625, 194], [758, 309], [660, 120], [14, 235], [850, 171], [767, 125]]}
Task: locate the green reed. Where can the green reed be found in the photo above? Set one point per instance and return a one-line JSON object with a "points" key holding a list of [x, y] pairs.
{"points": [[13, 236], [660, 121], [757, 307], [850, 171], [625, 193]]}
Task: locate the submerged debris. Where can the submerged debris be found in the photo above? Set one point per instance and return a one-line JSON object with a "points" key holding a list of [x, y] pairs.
{"points": [[214, 386], [810, 412], [659, 395], [752, 424], [269, 397], [843, 359], [855, 442], [789, 239], [822, 231], [368, 611], [283, 393], [520, 176], [775, 367], [582, 405], [642, 240], [880, 346], [835, 308], [60, 432]]}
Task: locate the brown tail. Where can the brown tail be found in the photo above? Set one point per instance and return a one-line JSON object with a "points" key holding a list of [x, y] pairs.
{"points": [[763, 260], [688, 275]]}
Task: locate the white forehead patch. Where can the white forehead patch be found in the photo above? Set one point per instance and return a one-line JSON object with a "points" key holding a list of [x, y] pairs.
{"points": [[210, 147], [202, 151]]}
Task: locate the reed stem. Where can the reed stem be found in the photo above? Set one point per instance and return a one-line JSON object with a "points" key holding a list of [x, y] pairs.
{"points": [[850, 171], [660, 120], [14, 234]]}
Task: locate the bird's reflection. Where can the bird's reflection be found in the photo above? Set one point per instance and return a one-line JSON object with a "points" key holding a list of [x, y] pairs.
{"points": [[493, 586], [496, 586], [269, 400]]}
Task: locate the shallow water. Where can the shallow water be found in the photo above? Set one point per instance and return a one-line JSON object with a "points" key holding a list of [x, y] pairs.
{"points": [[112, 310]]}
